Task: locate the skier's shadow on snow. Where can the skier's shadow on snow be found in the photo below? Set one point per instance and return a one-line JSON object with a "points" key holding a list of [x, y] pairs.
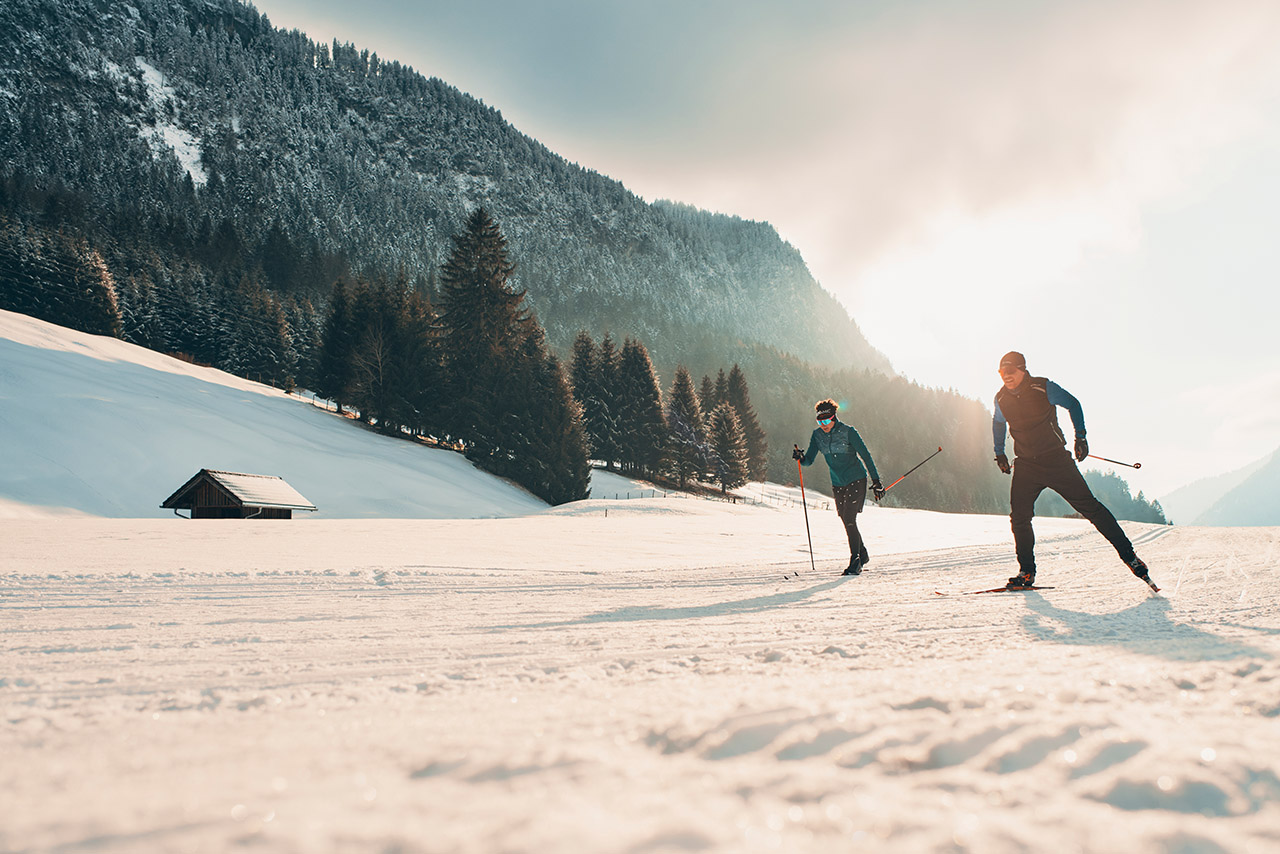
{"points": [[1144, 628], [640, 613]]}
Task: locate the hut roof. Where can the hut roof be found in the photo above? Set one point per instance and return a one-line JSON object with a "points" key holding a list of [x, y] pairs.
{"points": [[248, 490]]}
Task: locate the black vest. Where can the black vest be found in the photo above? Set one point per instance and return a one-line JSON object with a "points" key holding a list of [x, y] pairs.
{"points": [[1033, 420]]}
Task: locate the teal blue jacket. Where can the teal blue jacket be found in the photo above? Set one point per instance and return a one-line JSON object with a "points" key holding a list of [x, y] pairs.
{"points": [[842, 448]]}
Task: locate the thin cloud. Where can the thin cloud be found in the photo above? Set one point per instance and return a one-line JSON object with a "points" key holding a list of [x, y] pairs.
{"points": [[926, 117]]}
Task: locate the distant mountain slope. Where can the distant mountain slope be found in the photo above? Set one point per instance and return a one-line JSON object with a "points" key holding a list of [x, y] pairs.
{"points": [[1185, 505], [204, 161], [1256, 501], [185, 118], [95, 425]]}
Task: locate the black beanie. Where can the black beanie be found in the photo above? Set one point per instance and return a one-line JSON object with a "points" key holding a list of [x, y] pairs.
{"points": [[1013, 359]]}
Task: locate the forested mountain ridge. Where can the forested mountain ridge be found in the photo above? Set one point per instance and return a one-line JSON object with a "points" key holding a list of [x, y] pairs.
{"points": [[181, 116], [217, 176]]}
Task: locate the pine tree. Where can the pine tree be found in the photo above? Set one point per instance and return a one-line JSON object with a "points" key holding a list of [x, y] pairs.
{"points": [[641, 417], [306, 332], [178, 311], [545, 446], [251, 335], [375, 373], [334, 371], [94, 307], [757, 442], [707, 396], [689, 454], [730, 448], [139, 313], [583, 371], [566, 440], [607, 422], [272, 357], [280, 259], [422, 376], [512, 406], [721, 394], [484, 320]]}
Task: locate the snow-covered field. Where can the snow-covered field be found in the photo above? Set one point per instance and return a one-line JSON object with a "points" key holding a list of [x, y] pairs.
{"points": [[645, 681], [618, 676]]}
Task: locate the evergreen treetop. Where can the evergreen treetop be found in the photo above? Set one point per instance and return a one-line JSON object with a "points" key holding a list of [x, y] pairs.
{"points": [[641, 416], [729, 447], [738, 396], [689, 453], [484, 321]]}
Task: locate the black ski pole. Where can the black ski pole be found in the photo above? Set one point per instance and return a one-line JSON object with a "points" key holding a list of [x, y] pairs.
{"points": [[913, 468], [1117, 462], [805, 505]]}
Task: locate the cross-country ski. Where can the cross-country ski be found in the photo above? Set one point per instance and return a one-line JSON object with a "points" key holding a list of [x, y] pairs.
{"points": [[1005, 589]]}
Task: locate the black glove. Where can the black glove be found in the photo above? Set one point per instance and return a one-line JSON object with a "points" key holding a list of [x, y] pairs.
{"points": [[1003, 462], [797, 454], [1082, 448], [876, 489]]}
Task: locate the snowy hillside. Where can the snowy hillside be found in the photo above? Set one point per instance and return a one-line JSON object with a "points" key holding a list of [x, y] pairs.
{"points": [[93, 425], [644, 675]]}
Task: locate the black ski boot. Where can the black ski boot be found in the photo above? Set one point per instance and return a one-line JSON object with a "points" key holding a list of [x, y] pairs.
{"points": [[855, 566], [1025, 578], [1138, 568]]}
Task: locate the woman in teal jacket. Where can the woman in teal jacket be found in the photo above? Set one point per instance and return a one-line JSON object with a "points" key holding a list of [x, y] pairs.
{"points": [[845, 453]]}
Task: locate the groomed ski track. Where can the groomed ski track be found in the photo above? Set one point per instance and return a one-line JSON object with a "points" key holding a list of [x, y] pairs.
{"points": [[250, 692]]}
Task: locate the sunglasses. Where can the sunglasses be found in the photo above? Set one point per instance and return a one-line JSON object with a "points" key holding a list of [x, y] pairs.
{"points": [[825, 421]]}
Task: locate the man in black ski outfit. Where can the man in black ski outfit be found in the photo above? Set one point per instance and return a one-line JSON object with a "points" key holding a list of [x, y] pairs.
{"points": [[1027, 406]]}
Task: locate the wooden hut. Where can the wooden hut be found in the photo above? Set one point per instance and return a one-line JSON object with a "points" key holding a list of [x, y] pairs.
{"points": [[232, 495]]}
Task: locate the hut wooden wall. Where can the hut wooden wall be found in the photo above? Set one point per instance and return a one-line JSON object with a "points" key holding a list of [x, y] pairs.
{"points": [[206, 495], [241, 513]]}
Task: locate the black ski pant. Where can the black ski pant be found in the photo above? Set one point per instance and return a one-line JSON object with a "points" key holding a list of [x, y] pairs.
{"points": [[849, 503], [1033, 475]]}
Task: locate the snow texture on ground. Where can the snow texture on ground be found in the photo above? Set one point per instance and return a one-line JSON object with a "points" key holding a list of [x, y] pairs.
{"points": [[657, 674], [645, 681]]}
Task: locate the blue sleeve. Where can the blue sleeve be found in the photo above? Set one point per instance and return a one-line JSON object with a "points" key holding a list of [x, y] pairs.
{"points": [[1059, 396], [813, 450], [999, 428]]}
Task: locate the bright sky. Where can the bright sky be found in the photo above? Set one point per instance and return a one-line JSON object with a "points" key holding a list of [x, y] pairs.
{"points": [[1091, 182]]}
